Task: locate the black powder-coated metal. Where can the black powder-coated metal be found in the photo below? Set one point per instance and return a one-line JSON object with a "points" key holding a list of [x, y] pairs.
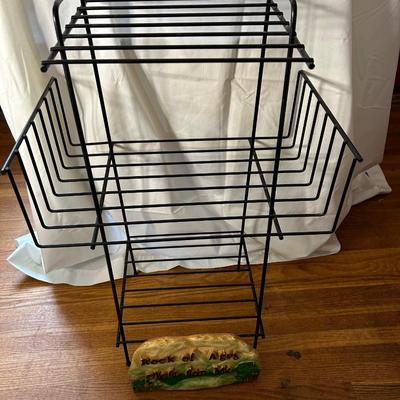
{"points": [[310, 147]]}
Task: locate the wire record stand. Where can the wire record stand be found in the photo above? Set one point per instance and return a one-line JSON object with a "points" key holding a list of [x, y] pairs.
{"points": [[310, 157]]}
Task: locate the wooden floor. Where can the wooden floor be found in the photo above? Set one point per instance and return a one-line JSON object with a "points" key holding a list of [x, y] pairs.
{"points": [[340, 313]]}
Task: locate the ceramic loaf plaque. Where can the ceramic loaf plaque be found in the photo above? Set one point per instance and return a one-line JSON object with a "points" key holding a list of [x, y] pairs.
{"points": [[192, 362]]}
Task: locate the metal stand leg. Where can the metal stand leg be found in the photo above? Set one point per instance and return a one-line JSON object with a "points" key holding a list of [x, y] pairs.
{"points": [[254, 129]]}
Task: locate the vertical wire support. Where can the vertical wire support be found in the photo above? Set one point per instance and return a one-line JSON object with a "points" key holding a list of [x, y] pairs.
{"points": [[345, 190], [254, 128], [267, 195], [85, 154], [107, 127], [282, 118], [21, 203], [123, 288], [102, 200], [253, 287]]}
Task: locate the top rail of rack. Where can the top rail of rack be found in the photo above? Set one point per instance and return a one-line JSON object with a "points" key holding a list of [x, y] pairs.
{"points": [[202, 31]]}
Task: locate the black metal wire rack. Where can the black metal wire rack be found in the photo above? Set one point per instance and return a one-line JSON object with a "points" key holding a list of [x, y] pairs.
{"points": [[293, 174]]}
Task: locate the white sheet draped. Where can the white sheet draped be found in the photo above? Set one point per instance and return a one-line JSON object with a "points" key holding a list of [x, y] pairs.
{"points": [[355, 44]]}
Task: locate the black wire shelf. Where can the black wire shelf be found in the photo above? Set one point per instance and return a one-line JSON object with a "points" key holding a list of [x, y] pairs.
{"points": [[137, 193], [316, 149], [237, 28]]}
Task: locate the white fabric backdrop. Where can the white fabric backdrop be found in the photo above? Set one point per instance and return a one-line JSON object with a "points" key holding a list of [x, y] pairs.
{"points": [[355, 45]]}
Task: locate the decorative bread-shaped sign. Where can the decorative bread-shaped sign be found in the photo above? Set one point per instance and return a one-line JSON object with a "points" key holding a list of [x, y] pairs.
{"points": [[193, 362]]}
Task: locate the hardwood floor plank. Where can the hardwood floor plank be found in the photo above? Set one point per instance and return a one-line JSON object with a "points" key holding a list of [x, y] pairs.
{"points": [[389, 391]]}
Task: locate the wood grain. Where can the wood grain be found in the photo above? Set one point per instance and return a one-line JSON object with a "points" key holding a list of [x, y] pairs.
{"points": [[332, 323]]}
